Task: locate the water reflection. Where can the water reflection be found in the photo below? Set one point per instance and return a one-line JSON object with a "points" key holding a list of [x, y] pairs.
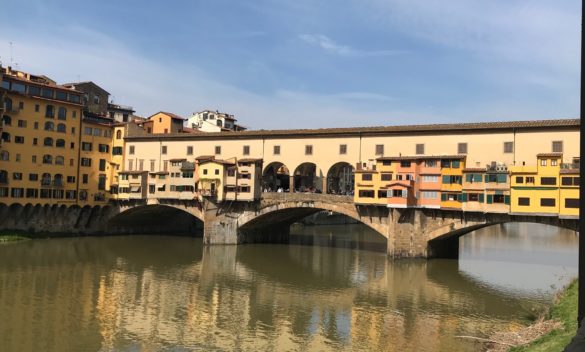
{"points": [[151, 293]]}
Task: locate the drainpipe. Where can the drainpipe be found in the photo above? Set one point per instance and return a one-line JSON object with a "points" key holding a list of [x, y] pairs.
{"points": [[514, 145]]}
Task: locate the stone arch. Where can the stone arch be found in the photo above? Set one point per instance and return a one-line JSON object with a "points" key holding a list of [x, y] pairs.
{"points": [[308, 176], [340, 178], [276, 175], [156, 218]]}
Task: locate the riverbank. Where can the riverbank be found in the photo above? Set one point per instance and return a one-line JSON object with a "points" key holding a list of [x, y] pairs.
{"points": [[12, 237], [552, 332]]}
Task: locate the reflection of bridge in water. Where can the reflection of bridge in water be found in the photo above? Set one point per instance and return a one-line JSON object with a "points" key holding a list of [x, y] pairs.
{"points": [[169, 293], [409, 232]]}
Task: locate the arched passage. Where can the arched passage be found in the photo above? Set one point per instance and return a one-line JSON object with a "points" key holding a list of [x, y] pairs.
{"points": [[308, 178], [276, 175], [156, 219], [340, 179]]}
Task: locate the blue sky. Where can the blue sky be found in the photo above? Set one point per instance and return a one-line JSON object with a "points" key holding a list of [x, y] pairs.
{"points": [[311, 63]]}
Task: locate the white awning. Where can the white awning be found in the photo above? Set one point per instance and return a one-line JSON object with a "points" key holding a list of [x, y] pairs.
{"points": [[135, 189]]}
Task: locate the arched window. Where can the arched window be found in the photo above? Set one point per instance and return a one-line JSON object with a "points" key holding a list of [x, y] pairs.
{"points": [[48, 142], [50, 111], [49, 126], [58, 180], [8, 104], [47, 159], [4, 155], [3, 176], [7, 120], [119, 134], [46, 179], [61, 128], [59, 160], [62, 114], [6, 136], [60, 143]]}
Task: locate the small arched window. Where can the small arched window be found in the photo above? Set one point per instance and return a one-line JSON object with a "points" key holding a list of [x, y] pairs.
{"points": [[62, 114], [5, 136], [46, 179], [47, 159], [119, 134], [60, 143], [3, 176], [50, 111], [4, 155], [61, 128], [58, 179], [7, 120], [59, 160], [48, 142], [49, 126], [8, 104]]}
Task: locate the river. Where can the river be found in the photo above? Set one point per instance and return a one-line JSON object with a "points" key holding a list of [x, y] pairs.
{"points": [[331, 289]]}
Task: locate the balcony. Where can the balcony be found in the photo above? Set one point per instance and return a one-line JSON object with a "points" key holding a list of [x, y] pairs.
{"points": [[3, 180], [58, 183], [46, 182]]}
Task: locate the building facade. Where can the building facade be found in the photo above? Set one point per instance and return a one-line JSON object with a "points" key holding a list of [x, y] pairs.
{"points": [[213, 121]]}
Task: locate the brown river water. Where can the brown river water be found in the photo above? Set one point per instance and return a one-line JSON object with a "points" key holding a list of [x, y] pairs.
{"points": [[331, 289]]}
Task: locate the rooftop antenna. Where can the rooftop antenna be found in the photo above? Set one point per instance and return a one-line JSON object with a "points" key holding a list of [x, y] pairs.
{"points": [[11, 58]]}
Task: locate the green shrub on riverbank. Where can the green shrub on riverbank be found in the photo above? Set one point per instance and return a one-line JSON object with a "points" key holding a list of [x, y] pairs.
{"points": [[12, 238], [565, 311]]}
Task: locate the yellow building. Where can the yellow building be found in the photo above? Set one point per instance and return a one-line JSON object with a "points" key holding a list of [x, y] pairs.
{"points": [[452, 182], [40, 140], [243, 180], [535, 189], [95, 158], [372, 181], [212, 176], [569, 193]]}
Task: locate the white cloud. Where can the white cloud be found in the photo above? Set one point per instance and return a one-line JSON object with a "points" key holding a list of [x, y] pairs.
{"points": [[331, 46]]}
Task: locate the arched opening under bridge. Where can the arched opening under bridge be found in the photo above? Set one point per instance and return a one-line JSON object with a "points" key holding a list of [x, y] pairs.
{"points": [[308, 178], [156, 219], [340, 179], [276, 176]]}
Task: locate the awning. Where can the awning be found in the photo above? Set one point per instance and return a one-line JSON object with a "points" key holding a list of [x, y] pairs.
{"points": [[135, 189]]}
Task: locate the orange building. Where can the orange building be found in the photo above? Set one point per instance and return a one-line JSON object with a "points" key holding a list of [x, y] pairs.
{"points": [[163, 122]]}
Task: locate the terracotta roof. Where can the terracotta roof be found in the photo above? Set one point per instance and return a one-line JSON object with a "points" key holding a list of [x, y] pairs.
{"points": [[205, 157], [217, 161], [569, 171], [548, 155], [159, 173], [177, 160], [400, 183], [474, 169], [365, 171], [421, 157], [404, 129], [133, 172]]}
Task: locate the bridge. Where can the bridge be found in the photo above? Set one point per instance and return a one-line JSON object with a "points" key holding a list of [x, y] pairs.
{"points": [[410, 232]]}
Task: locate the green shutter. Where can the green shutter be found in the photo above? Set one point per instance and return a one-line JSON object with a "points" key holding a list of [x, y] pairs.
{"points": [[481, 197], [455, 164], [443, 197], [464, 197], [486, 179], [446, 179], [476, 177], [469, 178], [507, 200], [501, 178], [490, 198]]}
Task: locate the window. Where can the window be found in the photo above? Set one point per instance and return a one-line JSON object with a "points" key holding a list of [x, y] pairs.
{"points": [[508, 147], [276, 150], [101, 182], [343, 149], [405, 163], [49, 126], [189, 150], [119, 134], [217, 171], [47, 159], [205, 171], [379, 149], [366, 194], [473, 197], [246, 150], [33, 177], [87, 131], [166, 165], [103, 148], [21, 123], [572, 203], [431, 163], [36, 125], [547, 202], [548, 181], [553, 162], [163, 149], [519, 179], [50, 111], [85, 178], [430, 178], [420, 149], [32, 193], [542, 162], [86, 146], [70, 179], [48, 142], [429, 194], [85, 162], [529, 179], [102, 165], [217, 149], [97, 132], [366, 177], [131, 150], [72, 145], [62, 128], [130, 165], [386, 177], [19, 139], [17, 175], [461, 148], [34, 158], [17, 192], [384, 162], [308, 150], [557, 146], [60, 143], [62, 113], [96, 99]]}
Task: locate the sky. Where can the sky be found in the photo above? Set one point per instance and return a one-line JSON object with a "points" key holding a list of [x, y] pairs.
{"points": [[278, 64]]}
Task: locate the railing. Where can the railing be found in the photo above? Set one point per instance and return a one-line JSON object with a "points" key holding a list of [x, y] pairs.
{"points": [[285, 196]]}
